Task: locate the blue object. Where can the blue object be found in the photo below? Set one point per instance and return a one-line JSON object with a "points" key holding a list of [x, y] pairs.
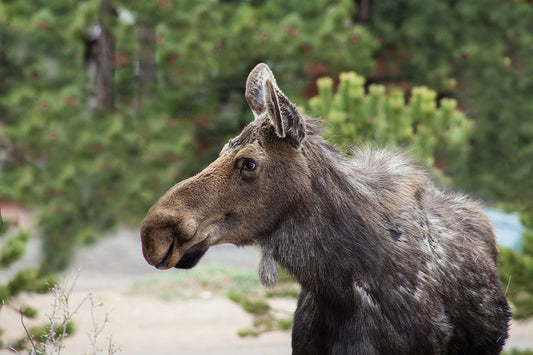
{"points": [[507, 228]]}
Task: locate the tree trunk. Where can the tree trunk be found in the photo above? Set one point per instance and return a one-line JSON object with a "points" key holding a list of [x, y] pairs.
{"points": [[105, 60], [146, 40], [364, 11]]}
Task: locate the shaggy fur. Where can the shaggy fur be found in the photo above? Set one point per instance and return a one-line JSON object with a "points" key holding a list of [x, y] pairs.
{"points": [[387, 262]]}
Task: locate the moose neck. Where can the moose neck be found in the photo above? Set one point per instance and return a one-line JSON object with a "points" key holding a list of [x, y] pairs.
{"points": [[326, 243]]}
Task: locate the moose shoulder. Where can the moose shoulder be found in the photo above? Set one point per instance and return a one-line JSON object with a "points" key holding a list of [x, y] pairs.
{"points": [[387, 263]]}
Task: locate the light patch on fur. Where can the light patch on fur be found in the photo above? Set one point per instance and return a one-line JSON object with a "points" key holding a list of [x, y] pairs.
{"points": [[268, 270], [365, 296]]}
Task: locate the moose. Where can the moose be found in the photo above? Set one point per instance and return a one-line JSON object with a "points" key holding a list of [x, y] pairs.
{"points": [[386, 261]]}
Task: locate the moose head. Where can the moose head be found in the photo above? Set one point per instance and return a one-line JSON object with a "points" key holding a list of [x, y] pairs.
{"points": [[258, 179]]}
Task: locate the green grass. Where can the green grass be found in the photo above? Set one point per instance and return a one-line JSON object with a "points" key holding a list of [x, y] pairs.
{"points": [[258, 306], [214, 278], [518, 352]]}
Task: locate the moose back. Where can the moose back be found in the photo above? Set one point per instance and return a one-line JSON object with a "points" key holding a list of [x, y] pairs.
{"points": [[387, 263]]}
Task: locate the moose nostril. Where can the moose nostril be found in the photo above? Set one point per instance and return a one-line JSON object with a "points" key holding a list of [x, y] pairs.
{"points": [[164, 263], [177, 236]]}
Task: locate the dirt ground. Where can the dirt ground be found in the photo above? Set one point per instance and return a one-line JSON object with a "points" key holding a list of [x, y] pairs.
{"points": [[139, 323]]}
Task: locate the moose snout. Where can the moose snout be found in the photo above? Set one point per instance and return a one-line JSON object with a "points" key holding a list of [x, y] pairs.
{"points": [[166, 236], [158, 246], [160, 238]]}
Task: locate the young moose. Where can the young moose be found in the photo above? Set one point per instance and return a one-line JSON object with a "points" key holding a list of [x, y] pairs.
{"points": [[387, 263]]}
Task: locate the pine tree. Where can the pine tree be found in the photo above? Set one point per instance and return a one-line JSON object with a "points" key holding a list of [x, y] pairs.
{"points": [[479, 52], [13, 243], [435, 134], [90, 152]]}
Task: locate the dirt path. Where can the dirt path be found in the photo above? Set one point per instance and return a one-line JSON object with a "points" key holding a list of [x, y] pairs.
{"points": [[143, 324], [147, 325]]}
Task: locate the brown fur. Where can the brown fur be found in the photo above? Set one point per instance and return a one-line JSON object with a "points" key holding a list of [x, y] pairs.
{"points": [[387, 262]]}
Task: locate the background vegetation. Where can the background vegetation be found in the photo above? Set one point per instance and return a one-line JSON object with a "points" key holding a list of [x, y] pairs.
{"points": [[104, 105]]}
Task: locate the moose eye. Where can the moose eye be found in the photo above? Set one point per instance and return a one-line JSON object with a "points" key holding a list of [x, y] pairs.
{"points": [[248, 165]]}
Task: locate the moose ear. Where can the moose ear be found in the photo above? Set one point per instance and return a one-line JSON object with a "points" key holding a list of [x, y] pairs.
{"points": [[273, 109], [264, 97], [284, 115], [255, 93]]}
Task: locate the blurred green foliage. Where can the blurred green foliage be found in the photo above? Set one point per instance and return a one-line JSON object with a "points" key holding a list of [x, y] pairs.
{"points": [[480, 52], [13, 243], [515, 274], [12, 247], [518, 352], [86, 169], [39, 337], [379, 117]]}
